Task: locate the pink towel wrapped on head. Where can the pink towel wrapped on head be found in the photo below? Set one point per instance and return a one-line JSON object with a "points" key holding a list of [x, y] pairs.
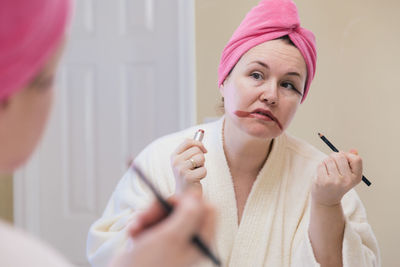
{"points": [[269, 20], [30, 31]]}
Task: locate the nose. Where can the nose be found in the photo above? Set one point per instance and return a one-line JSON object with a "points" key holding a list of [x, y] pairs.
{"points": [[269, 94]]}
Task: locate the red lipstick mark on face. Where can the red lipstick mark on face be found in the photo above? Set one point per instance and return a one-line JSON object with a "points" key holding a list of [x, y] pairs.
{"points": [[268, 115], [242, 114]]}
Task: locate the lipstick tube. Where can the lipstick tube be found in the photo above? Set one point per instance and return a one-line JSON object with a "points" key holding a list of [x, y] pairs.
{"points": [[198, 136]]}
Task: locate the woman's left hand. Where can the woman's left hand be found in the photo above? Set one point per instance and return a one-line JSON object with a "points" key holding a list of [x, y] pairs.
{"points": [[159, 240], [336, 175]]}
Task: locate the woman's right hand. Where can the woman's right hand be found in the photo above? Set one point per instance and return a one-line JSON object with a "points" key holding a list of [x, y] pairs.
{"points": [[188, 164]]}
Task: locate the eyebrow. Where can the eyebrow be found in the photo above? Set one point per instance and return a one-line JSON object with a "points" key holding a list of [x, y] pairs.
{"points": [[292, 73], [260, 63]]}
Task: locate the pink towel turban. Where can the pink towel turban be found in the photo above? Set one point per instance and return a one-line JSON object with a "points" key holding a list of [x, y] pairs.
{"points": [[269, 20], [30, 31]]}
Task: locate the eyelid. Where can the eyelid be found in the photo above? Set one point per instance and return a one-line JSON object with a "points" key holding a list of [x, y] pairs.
{"points": [[258, 72], [294, 87]]}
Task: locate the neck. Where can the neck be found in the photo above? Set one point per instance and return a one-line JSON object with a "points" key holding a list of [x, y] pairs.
{"points": [[245, 154]]}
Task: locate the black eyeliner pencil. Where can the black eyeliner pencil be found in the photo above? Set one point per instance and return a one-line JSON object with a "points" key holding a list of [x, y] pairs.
{"points": [[334, 149], [169, 208]]}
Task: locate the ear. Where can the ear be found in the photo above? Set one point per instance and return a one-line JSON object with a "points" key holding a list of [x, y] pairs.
{"points": [[223, 86], [222, 89]]}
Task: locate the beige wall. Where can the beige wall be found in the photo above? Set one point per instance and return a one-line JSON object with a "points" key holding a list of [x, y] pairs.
{"points": [[215, 22], [6, 197], [354, 98]]}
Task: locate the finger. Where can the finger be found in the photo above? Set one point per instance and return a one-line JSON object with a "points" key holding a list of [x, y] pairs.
{"points": [[321, 170], [188, 143], [196, 161], [186, 218], [186, 168], [331, 166], [342, 164], [196, 175], [191, 164], [355, 162], [353, 151], [190, 153], [148, 218], [145, 219]]}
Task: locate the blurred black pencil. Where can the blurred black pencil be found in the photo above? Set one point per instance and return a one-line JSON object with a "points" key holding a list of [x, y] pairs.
{"points": [[169, 208]]}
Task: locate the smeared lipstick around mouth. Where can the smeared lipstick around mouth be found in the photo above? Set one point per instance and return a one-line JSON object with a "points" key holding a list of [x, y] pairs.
{"points": [[260, 114]]}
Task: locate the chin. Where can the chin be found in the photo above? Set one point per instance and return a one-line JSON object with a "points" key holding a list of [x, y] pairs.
{"points": [[264, 132]]}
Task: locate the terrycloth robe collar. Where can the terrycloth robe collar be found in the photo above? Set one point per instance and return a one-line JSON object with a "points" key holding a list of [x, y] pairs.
{"points": [[256, 223]]}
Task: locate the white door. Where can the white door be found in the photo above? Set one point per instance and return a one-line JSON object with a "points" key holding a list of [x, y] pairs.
{"points": [[127, 77]]}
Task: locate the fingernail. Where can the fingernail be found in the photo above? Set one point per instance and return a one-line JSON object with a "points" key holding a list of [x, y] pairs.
{"points": [[354, 151]]}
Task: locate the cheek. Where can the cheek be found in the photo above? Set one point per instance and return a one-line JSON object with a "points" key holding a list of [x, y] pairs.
{"points": [[36, 122], [43, 107], [238, 95], [19, 135], [230, 102], [230, 97], [289, 111], [23, 126]]}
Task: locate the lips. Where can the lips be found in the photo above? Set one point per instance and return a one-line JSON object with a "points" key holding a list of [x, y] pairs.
{"points": [[261, 114]]}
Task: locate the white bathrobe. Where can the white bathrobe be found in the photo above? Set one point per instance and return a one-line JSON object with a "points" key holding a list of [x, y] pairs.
{"points": [[18, 249], [273, 229]]}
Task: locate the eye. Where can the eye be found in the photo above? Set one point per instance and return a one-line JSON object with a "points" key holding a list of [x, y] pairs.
{"points": [[256, 75], [290, 86]]}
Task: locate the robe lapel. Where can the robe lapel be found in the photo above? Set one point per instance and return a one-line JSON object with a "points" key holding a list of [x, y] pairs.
{"points": [[244, 245], [253, 234], [218, 189]]}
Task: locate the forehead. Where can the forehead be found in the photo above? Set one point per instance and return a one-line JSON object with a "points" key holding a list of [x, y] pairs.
{"points": [[276, 53]]}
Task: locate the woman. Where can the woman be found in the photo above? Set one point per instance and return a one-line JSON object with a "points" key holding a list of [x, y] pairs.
{"points": [[280, 201], [32, 35]]}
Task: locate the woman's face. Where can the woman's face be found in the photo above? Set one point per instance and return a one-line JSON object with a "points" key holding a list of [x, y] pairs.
{"points": [[264, 89], [24, 115]]}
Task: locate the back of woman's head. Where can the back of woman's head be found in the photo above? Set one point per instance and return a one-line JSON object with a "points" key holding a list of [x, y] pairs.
{"points": [[31, 40], [30, 32]]}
